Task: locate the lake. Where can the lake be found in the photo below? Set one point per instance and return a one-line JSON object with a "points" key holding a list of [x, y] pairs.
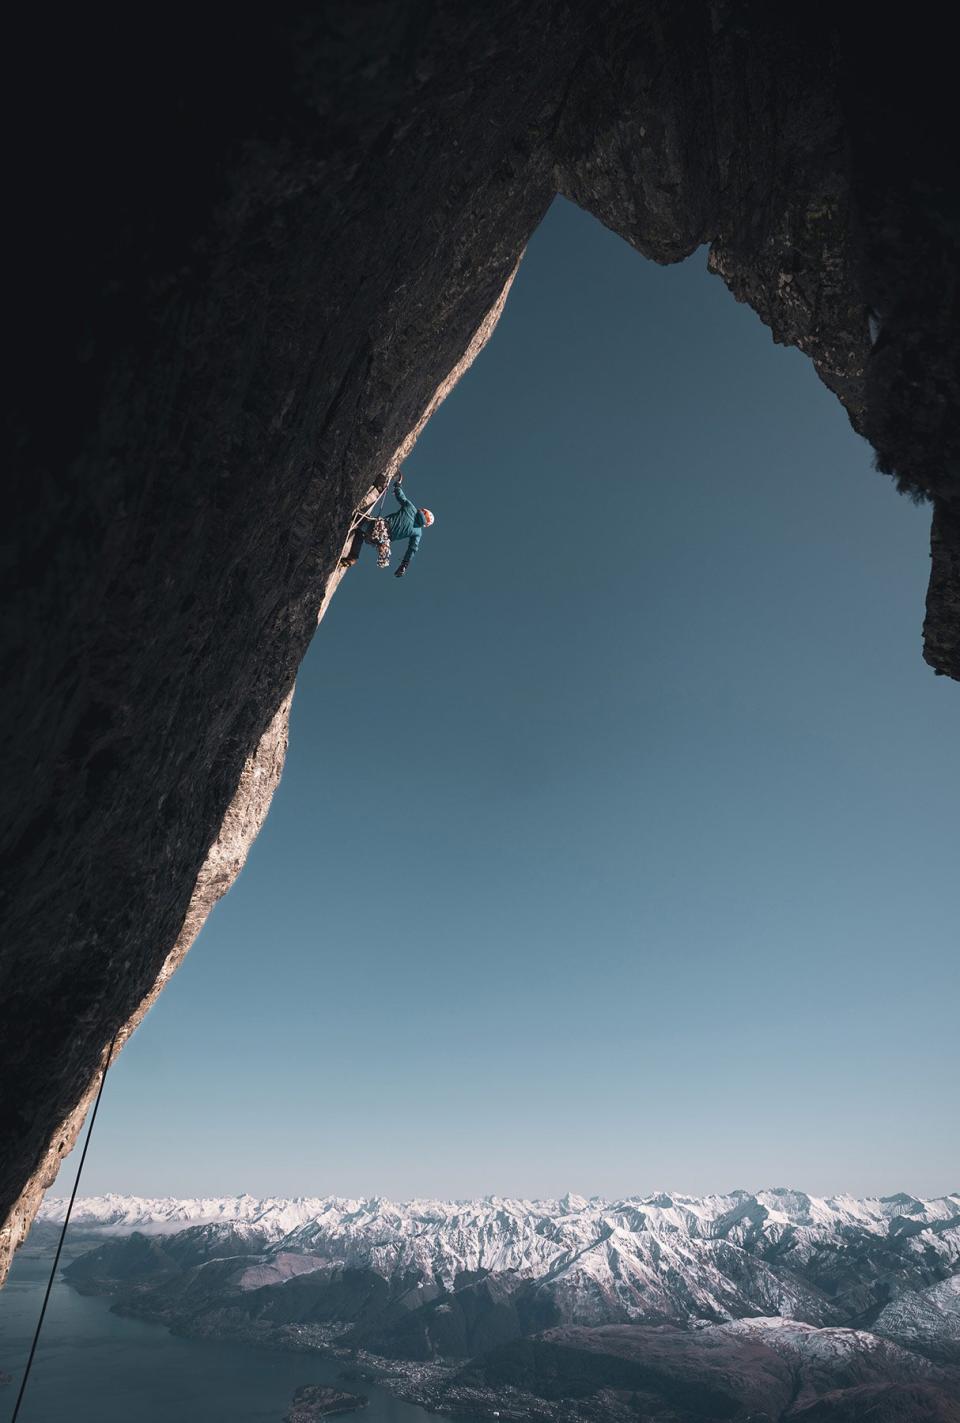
{"points": [[94, 1367]]}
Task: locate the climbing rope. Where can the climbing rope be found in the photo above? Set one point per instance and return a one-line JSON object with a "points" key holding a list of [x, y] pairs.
{"points": [[371, 512], [66, 1222]]}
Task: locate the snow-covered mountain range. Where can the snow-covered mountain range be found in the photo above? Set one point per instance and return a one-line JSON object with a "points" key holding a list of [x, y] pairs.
{"points": [[703, 1216], [823, 1260], [814, 1293]]}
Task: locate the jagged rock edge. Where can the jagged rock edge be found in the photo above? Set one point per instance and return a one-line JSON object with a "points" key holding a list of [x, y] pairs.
{"points": [[228, 854]]}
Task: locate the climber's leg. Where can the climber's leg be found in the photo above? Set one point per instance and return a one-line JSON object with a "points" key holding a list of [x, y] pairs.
{"points": [[356, 544]]}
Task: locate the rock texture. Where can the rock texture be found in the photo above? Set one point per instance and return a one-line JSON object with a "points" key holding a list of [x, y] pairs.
{"points": [[927, 1321], [225, 859], [249, 258]]}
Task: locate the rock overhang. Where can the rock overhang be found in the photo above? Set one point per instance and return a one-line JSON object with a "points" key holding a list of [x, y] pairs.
{"points": [[272, 265]]}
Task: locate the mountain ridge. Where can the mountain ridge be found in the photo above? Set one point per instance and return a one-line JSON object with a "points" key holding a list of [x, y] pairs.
{"points": [[566, 1308], [839, 1260]]}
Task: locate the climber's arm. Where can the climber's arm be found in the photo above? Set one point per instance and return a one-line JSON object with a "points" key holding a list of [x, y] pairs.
{"points": [[402, 499], [412, 545]]}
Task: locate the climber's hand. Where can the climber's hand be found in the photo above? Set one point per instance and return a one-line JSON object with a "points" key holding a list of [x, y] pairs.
{"points": [[398, 478]]}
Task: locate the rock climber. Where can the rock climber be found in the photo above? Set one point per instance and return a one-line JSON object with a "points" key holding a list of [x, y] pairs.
{"points": [[406, 522]]}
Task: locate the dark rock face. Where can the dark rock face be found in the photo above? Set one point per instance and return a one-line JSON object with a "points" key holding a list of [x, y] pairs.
{"points": [[262, 334], [252, 262], [941, 628]]}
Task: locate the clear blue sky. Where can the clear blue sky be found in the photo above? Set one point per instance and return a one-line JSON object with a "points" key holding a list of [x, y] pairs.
{"points": [[615, 844]]}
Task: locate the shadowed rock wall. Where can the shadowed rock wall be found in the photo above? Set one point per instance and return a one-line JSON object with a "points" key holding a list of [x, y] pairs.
{"points": [[250, 259]]}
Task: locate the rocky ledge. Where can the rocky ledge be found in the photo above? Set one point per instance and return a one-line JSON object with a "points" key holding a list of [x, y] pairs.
{"points": [[315, 1401]]}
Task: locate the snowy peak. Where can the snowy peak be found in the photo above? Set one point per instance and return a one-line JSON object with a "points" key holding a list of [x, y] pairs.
{"points": [[572, 1220], [779, 1252], [274, 1216]]}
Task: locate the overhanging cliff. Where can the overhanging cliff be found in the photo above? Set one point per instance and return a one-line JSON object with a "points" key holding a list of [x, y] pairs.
{"points": [[250, 262]]}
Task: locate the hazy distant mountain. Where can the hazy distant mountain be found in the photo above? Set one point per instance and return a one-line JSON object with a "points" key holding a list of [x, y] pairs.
{"points": [[863, 1293], [273, 1216]]}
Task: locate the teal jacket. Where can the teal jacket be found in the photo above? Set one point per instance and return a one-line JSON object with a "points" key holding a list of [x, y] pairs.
{"points": [[405, 523]]}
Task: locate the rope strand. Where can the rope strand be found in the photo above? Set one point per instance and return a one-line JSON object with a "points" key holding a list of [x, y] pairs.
{"points": [[66, 1222], [369, 513]]}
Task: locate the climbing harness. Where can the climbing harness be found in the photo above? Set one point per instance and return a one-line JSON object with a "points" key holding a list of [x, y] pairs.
{"points": [[66, 1222]]}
